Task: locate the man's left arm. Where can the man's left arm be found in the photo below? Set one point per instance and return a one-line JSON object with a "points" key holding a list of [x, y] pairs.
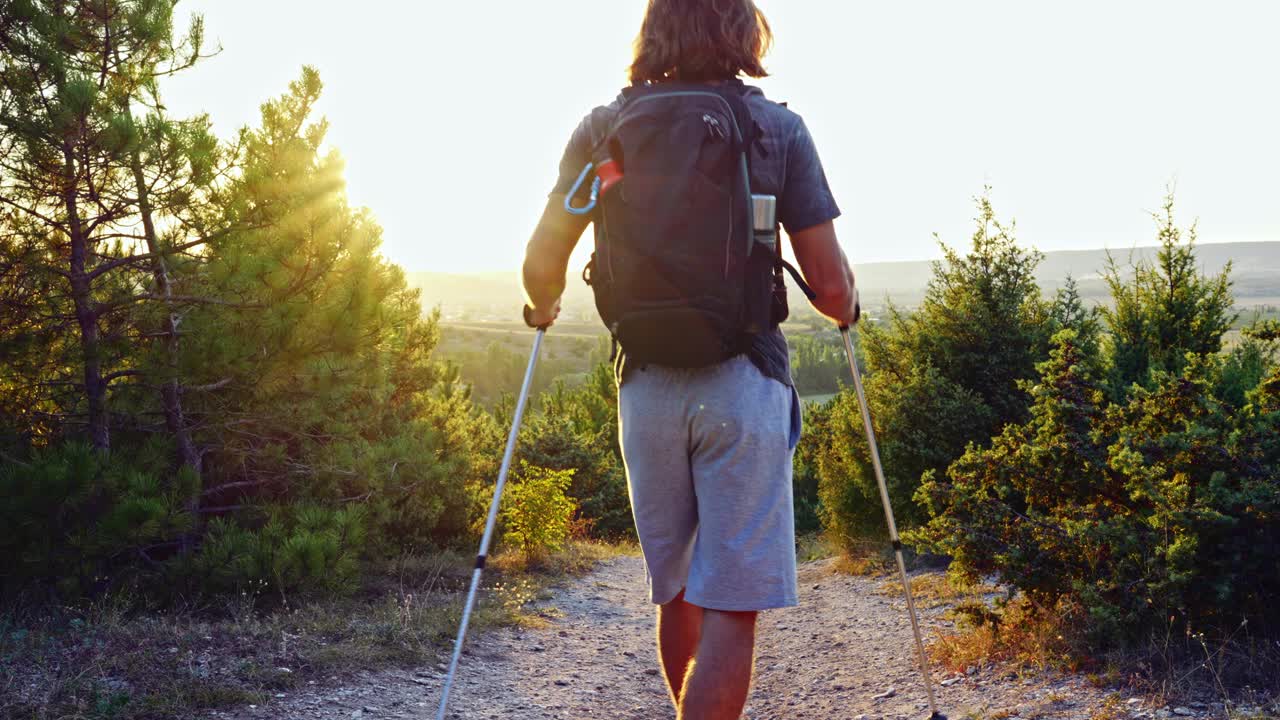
{"points": [[546, 259]]}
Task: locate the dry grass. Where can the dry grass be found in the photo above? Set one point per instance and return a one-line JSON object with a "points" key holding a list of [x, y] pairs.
{"points": [[101, 661], [938, 589], [815, 546], [862, 557], [1235, 672], [1020, 635], [1113, 708]]}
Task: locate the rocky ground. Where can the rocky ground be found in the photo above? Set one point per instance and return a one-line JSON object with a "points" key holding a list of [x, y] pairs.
{"points": [[846, 652]]}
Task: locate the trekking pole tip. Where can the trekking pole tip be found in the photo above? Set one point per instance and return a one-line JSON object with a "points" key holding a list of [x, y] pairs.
{"points": [[937, 716]]}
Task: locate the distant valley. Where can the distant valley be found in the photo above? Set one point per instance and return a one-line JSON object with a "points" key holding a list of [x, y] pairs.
{"points": [[487, 297]]}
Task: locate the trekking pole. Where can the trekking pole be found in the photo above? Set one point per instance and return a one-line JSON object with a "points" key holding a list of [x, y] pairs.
{"points": [[493, 519], [888, 516]]}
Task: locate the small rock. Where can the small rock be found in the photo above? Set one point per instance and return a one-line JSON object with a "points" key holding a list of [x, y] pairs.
{"points": [[651, 671], [628, 653], [885, 695], [284, 670], [1133, 701], [538, 648], [561, 682], [1183, 712]]}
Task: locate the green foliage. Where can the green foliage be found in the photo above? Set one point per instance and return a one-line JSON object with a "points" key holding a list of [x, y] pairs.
{"points": [[299, 548], [493, 368], [922, 423], [805, 475], [1161, 509], [1248, 362], [83, 522], [1070, 313], [1165, 309], [818, 364], [538, 512], [938, 379], [302, 377], [576, 429], [325, 357]]}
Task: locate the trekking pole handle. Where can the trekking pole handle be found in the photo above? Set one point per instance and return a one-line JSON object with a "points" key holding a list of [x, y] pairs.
{"points": [[857, 315], [527, 312]]}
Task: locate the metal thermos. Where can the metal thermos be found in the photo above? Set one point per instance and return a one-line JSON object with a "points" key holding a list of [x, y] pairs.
{"points": [[764, 213]]}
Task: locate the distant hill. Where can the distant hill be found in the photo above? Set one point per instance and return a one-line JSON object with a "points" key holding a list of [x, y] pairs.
{"points": [[1255, 272]]}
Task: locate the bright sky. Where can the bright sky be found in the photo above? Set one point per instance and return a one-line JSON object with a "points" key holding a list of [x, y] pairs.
{"points": [[452, 115]]}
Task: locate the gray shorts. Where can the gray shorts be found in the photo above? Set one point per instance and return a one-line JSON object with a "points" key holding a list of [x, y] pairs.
{"points": [[708, 456]]}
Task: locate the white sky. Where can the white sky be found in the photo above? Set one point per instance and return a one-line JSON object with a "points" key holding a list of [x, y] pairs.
{"points": [[452, 115]]}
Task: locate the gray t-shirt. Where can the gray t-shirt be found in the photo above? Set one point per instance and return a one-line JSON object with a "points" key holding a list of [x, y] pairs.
{"points": [[785, 164]]}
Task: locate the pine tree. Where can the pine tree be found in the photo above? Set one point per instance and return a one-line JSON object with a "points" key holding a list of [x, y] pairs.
{"points": [[80, 178], [940, 378], [1167, 309]]}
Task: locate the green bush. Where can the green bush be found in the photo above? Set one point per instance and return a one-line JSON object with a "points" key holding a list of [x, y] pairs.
{"points": [[1162, 510], [938, 379], [805, 471], [923, 421], [300, 549], [83, 521], [818, 365], [577, 429], [537, 511]]}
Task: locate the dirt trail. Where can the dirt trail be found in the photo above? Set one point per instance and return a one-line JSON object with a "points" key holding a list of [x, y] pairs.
{"points": [[838, 655]]}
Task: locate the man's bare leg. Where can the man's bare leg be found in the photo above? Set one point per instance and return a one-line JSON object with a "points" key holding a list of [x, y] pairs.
{"points": [[718, 681], [679, 627]]}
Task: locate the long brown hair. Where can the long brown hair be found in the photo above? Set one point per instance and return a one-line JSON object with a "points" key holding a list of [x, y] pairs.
{"points": [[701, 40]]}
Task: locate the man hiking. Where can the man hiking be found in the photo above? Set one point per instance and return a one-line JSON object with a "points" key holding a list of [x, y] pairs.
{"points": [[708, 415]]}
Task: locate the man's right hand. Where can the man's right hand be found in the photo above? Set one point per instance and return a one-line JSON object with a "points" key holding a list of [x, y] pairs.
{"points": [[827, 271]]}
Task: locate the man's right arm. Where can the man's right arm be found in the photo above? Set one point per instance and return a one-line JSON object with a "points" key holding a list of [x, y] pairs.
{"points": [[827, 271]]}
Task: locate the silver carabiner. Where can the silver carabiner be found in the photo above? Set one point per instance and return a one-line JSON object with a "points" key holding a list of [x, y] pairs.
{"points": [[577, 185]]}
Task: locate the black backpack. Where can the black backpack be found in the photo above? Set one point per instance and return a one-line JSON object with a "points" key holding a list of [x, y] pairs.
{"points": [[678, 277]]}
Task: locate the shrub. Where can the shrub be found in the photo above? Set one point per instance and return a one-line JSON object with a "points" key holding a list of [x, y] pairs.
{"points": [[300, 549], [805, 472], [923, 421], [1162, 510], [939, 378], [538, 513], [577, 429], [81, 520]]}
